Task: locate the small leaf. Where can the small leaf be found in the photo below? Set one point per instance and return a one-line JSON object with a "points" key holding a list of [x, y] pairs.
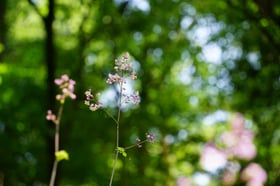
{"points": [[61, 155], [121, 150]]}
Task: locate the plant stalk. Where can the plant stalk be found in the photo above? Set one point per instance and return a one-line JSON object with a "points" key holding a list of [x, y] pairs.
{"points": [[56, 145], [117, 134]]}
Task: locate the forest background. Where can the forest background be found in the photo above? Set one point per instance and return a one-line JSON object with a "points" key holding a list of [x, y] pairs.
{"points": [[198, 62]]}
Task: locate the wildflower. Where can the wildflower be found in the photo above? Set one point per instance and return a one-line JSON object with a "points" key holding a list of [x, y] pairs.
{"points": [[91, 102], [94, 107], [67, 86], [139, 145], [63, 78], [123, 64], [133, 75], [51, 117], [124, 71], [116, 78], [89, 96], [150, 137], [135, 97]]}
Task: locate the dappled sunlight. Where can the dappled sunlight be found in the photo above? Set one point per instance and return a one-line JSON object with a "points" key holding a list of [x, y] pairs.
{"points": [[167, 116]]}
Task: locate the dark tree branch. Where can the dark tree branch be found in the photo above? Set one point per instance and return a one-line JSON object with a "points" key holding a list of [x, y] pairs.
{"points": [[49, 60], [35, 8], [266, 10], [3, 26], [265, 30]]}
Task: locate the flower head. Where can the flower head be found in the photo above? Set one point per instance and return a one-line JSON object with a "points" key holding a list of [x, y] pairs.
{"points": [[239, 140], [135, 97], [114, 78], [254, 174], [150, 137], [123, 68], [51, 117], [67, 86], [183, 181], [212, 158], [91, 101], [139, 145], [123, 64], [123, 72]]}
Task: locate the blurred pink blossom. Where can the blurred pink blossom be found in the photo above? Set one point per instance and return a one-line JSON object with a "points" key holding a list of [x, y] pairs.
{"points": [[183, 181], [51, 117], [67, 87], [239, 140], [212, 158], [237, 143], [229, 139], [228, 178], [245, 150], [237, 123], [254, 175]]}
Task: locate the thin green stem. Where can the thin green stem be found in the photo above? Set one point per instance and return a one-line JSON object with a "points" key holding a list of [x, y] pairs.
{"points": [[117, 133], [114, 168], [111, 116], [54, 169], [56, 145], [134, 145]]}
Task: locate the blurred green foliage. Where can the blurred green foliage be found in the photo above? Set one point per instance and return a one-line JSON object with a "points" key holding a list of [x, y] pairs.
{"points": [[180, 84]]}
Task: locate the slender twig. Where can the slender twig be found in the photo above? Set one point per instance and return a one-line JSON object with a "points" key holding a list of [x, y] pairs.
{"points": [[111, 116], [137, 144], [55, 163], [56, 144]]}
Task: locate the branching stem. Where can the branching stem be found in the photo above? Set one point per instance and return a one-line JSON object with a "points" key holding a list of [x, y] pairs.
{"points": [[134, 145]]}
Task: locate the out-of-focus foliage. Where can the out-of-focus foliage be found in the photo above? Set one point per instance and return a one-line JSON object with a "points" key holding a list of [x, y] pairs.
{"points": [[197, 60]]}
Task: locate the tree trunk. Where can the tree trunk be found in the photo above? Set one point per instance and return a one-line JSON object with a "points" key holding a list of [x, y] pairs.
{"points": [[3, 27], [50, 64], [50, 67], [50, 53]]}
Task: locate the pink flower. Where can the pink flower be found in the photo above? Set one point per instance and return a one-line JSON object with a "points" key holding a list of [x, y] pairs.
{"points": [[95, 106], [133, 75], [229, 139], [123, 64], [254, 175], [135, 98], [51, 117], [183, 181], [67, 87], [116, 78], [228, 178], [212, 158], [150, 137], [91, 102], [245, 150], [123, 72], [239, 140], [254, 183]]}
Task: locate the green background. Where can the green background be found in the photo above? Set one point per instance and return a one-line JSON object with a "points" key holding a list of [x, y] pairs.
{"points": [[179, 85]]}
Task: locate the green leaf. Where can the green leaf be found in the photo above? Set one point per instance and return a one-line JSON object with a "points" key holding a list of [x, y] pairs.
{"points": [[61, 155], [121, 150]]}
